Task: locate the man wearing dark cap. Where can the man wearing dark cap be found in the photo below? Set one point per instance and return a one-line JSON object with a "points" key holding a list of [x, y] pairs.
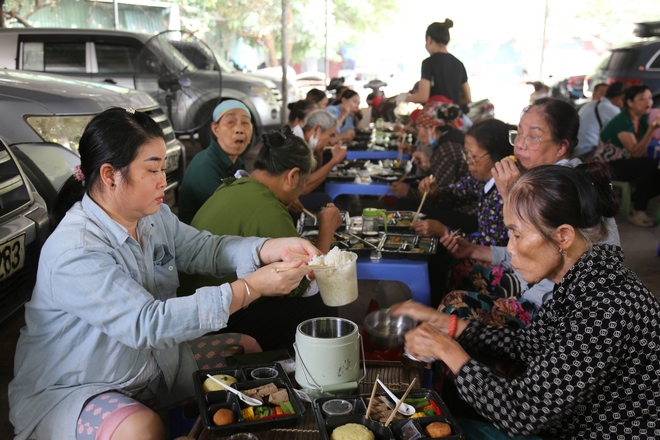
{"points": [[595, 115]]}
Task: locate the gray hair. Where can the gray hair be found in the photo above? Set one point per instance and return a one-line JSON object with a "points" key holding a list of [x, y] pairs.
{"points": [[320, 117]]}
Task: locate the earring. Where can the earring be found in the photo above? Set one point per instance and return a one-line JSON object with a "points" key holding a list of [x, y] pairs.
{"points": [[562, 252]]}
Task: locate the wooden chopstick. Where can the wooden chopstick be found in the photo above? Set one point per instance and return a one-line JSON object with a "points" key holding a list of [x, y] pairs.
{"points": [[455, 233], [396, 408], [284, 269], [416, 217], [401, 179], [373, 393], [309, 213]]}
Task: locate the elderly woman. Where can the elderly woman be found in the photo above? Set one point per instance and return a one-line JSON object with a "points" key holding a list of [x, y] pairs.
{"points": [[259, 202], [625, 141], [104, 328], [486, 143], [447, 163], [232, 132], [491, 288], [590, 358]]}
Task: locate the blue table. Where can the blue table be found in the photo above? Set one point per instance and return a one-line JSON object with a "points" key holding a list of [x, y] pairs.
{"points": [[375, 154], [334, 189], [412, 273]]}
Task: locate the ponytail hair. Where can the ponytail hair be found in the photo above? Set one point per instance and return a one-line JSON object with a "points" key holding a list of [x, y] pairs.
{"points": [[549, 196], [282, 151], [113, 137], [439, 32], [300, 109]]}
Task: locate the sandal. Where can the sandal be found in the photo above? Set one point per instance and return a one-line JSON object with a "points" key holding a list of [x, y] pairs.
{"points": [[639, 218]]}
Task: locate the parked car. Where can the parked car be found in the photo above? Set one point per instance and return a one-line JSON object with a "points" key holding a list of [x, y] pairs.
{"points": [[23, 231], [150, 63], [275, 74], [46, 115], [637, 63]]}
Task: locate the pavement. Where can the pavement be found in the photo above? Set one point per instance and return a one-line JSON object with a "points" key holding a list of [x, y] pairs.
{"points": [[640, 246]]}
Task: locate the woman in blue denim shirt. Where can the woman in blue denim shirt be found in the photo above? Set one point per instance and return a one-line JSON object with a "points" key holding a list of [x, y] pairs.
{"points": [[104, 329]]}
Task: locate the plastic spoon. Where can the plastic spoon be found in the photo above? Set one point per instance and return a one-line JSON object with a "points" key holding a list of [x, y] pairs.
{"points": [[247, 399], [404, 408]]}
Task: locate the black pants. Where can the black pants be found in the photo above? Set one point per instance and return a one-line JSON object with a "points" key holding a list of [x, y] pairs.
{"points": [[644, 172], [272, 321]]}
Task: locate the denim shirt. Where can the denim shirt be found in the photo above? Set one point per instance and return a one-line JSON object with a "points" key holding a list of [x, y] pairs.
{"points": [[104, 305]]}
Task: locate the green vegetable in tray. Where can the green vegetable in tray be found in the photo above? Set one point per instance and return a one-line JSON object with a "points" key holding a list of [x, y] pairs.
{"points": [[287, 407], [417, 402]]}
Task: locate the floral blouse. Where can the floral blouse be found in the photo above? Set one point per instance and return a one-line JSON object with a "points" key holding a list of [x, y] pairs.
{"points": [[489, 210], [592, 359]]}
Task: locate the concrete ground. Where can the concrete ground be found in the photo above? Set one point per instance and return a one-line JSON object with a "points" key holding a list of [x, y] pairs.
{"points": [[640, 246]]}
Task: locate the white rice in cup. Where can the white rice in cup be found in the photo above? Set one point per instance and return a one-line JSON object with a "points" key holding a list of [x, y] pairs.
{"points": [[336, 276]]}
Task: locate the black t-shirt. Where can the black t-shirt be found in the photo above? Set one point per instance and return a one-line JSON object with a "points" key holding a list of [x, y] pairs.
{"points": [[446, 74]]}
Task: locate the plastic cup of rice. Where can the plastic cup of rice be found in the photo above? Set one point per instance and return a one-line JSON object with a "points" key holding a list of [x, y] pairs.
{"points": [[336, 275]]}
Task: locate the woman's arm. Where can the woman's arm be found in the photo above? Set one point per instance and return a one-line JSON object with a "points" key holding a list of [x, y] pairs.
{"points": [[319, 176], [638, 149], [466, 94], [423, 92]]}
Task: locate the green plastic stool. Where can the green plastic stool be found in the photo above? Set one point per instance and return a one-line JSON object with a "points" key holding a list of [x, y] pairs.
{"points": [[625, 205]]}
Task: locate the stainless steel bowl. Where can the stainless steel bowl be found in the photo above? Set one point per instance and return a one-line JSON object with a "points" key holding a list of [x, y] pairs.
{"points": [[387, 331]]}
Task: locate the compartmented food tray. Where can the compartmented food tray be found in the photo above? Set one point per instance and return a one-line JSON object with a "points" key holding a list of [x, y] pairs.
{"points": [[343, 175], [345, 242], [404, 428], [398, 221], [410, 246], [307, 222], [210, 402]]}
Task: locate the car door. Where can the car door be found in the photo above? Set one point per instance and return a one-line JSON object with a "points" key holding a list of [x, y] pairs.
{"points": [[60, 54]]}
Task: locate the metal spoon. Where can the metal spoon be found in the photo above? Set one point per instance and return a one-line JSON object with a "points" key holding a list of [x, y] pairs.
{"points": [[404, 408], [247, 399]]}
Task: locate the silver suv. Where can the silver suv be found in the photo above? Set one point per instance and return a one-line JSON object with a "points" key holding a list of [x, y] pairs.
{"points": [[23, 230], [149, 63], [46, 115]]}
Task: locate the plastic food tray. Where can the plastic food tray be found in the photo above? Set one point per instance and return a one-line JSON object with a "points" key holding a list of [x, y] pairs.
{"points": [[398, 221], [210, 402], [344, 243], [327, 424], [410, 246]]}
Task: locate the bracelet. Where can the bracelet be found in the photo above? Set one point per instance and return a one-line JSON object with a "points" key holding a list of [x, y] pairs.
{"points": [[453, 323], [247, 289]]}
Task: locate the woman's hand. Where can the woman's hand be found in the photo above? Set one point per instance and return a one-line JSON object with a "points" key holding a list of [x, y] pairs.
{"points": [[289, 249], [296, 207], [505, 173], [457, 246], [428, 184], [417, 311], [400, 189], [426, 341], [429, 228], [421, 160], [276, 279], [329, 217]]}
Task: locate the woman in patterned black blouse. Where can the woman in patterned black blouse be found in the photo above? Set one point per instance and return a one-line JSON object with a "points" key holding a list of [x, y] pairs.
{"points": [[590, 365]]}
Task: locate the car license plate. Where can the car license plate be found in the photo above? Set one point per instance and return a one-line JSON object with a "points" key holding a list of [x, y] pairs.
{"points": [[173, 161], [12, 256]]}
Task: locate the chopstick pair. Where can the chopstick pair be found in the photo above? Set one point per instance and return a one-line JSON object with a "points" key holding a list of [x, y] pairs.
{"points": [[401, 179], [309, 213], [416, 217], [396, 408]]}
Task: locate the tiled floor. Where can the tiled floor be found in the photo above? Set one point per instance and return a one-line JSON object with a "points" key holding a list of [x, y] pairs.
{"points": [[640, 246]]}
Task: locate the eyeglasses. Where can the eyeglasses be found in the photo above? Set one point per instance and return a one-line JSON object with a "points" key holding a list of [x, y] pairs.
{"points": [[473, 160], [528, 141]]}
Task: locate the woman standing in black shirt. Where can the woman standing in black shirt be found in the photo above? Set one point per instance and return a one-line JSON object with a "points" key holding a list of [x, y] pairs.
{"points": [[442, 73]]}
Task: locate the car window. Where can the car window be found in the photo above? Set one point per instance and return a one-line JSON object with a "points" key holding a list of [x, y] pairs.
{"points": [[623, 59], [54, 57], [655, 61], [115, 58]]}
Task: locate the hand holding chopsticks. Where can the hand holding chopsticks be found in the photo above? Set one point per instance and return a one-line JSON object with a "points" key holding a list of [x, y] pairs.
{"points": [[410, 387]]}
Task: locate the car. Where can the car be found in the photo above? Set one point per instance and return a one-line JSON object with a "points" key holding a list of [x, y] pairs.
{"points": [[146, 62], [23, 231], [46, 115], [636, 63], [275, 74]]}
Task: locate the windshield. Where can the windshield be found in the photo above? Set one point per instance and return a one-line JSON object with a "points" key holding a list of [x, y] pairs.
{"points": [[225, 65]]}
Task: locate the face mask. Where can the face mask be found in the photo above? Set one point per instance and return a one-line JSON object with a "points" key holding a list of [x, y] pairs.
{"points": [[433, 142], [313, 142]]}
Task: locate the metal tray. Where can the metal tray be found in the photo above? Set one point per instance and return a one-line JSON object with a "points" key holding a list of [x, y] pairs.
{"points": [[327, 424], [404, 246], [309, 223], [210, 402], [346, 242]]}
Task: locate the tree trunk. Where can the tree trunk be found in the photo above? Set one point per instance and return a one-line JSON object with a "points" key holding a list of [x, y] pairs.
{"points": [[269, 41], [2, 13]]}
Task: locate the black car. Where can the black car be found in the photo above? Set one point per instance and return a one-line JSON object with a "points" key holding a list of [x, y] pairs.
{"points": [[637, 63]]}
